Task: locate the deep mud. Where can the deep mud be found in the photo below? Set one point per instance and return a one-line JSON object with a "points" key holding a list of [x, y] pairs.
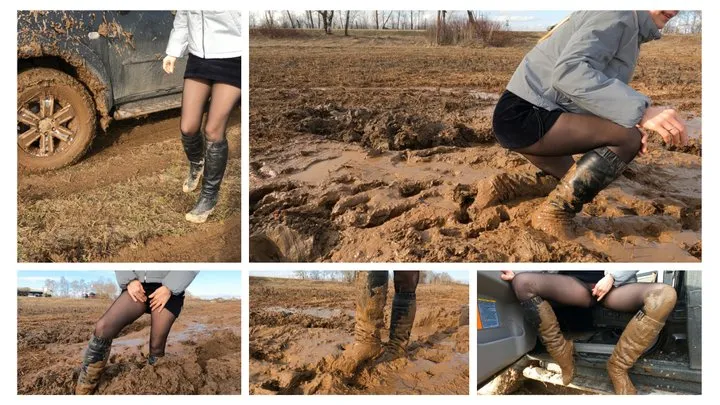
{"points": [[202, 356], [124, 202], [343, 170], [297, 328]]}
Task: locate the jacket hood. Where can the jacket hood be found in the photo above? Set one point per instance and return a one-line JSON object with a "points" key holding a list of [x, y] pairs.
{"points": [[648, 30]]}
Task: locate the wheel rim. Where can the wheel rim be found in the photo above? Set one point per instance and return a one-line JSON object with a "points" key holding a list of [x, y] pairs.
{"points": [[44, 125]]}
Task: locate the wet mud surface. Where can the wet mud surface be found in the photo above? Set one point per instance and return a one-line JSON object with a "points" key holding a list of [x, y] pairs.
{"points": [[202, 356], [376, 170], [298, 328], [124, 202]]}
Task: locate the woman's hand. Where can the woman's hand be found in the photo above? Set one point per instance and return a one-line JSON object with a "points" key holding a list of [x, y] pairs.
{"points": [[159, 298], [643, 141], [136, 291], [507, 275], [603, 287], [667, 123], [169, 64]]}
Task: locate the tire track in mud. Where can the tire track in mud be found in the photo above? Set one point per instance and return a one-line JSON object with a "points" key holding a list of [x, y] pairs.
{"points": [[389, 183], [125, 199]]}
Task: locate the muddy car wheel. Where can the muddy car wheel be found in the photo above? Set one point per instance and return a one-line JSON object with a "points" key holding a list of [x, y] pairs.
{"points": [[56, 119]]}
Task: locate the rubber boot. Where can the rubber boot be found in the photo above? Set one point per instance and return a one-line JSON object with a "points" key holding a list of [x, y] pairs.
{"points": [[372, 294], [216, 157], [401, 322], [586, 178], [504, 187], [193, 146], [153, 358], [638, 335], [541, 315], [94, 361]]}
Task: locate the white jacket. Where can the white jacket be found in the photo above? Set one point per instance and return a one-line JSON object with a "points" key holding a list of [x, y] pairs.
{"points": [[206, 34]]}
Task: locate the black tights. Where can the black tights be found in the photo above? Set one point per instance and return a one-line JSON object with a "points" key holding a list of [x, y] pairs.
{"points": [[404, 281], [223, 98], [125, 311], [580, 133], [568, 290]]}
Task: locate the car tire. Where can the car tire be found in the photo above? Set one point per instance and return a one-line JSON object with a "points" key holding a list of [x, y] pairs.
{"points": [[56, 119]]}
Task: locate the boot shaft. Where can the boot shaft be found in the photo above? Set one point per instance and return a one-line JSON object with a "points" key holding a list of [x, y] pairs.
{"points": [[401, 320], [216, 157], [193, 146], [637, 337], [372, 287]]}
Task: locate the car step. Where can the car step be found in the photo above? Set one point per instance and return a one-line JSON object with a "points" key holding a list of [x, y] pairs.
{"points": [[142, 107]]}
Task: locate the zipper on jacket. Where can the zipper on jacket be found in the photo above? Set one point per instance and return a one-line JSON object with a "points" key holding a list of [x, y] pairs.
{"points": [[202, 23]]}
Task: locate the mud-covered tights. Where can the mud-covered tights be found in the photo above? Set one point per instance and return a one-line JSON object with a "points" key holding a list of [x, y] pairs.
{"points": [[223, 98], [580, 133], [568, 290], [404, 281], [125, 311]]}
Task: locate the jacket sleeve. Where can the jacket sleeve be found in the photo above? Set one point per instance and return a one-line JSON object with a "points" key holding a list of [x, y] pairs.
{"points": [[178, 281], [578, 72], [124, 278], [178, 42], [623, 277]]}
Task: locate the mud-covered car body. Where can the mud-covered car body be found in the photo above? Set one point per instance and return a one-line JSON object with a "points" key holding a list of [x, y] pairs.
{"points": [[115, 55], [506, 341]]}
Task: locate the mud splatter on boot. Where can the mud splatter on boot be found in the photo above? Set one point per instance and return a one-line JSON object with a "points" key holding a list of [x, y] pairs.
{"points": [[401, 322], [586, 178], [541, 315], [194, 148], [504, 187], [94, 362], [372, 294]]}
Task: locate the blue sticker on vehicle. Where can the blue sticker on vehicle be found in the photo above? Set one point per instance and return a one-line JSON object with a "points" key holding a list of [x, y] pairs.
{"points": [[487, 314]]}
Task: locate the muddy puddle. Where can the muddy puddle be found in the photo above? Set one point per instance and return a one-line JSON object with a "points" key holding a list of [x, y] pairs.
{"points": [[398, 181], [292, 348]]}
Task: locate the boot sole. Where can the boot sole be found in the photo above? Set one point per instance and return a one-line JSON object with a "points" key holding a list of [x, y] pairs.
{"points": [[198, 219]]}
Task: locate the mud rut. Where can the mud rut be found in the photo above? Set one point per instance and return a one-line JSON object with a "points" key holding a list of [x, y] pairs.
{"points": [[292, 346], [202, 356], [391, 174], [124, 201]]}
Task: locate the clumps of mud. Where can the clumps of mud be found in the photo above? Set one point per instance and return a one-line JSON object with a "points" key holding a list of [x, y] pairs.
{"points": [[385, 130]]}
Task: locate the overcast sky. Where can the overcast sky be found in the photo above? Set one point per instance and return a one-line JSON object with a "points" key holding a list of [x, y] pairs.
{"points": [[207, 284]]}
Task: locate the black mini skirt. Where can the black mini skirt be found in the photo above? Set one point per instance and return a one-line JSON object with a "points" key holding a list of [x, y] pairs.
{"points": [[518, 123], [225, 70], [174, 304]]}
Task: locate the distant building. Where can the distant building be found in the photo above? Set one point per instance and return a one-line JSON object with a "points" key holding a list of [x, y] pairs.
{"points": [[30, 292]]}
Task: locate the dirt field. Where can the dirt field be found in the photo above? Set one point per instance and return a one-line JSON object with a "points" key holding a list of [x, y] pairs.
{"points": [[370, 148], [124, 201], [202, 356], [297, 328]]}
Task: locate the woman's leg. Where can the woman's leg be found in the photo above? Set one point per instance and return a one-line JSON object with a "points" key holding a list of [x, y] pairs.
{"points": [[655, 302], [402, 315], [160, 324], [121, 313], [532, 289], [223, 100], [195, 95], [607, 148]]}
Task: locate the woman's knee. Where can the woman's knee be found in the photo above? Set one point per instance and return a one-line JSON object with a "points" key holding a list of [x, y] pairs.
{"points": [[660, 301], [214, 132], [189, 128], [103, 329], [524, 286]]}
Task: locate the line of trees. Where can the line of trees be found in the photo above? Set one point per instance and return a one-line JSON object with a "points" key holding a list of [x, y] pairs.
{"points": [[686, 22], [348, 19], [349, 276], [103, 288]]}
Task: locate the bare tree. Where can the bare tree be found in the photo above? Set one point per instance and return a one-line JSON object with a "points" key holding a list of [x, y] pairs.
{"points": [[290, 18], [347, 21], [63, 287], [327, 17], [104, 288], [51, 285], [301, 274]]}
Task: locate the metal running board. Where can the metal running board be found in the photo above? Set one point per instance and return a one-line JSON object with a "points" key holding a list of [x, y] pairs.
{"points": [[142, 107]]}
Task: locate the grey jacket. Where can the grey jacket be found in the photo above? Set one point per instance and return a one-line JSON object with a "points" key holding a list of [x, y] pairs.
{"points": [[621, 277], [207, 34], [586, 64], [176, 281]]}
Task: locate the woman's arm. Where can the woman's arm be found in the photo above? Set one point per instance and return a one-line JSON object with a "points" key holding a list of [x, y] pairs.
{"points": [[178, 42], [178, 281], [125, 277], [578, 72]]}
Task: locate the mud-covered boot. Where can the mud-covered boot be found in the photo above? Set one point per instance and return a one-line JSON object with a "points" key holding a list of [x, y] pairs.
{"points": [[94, 361], [216, 156], [152, 359], [372, 294], [541, 315], [504, 187], [193, 147], [638, 335], [586, 178], [401, 323]]}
